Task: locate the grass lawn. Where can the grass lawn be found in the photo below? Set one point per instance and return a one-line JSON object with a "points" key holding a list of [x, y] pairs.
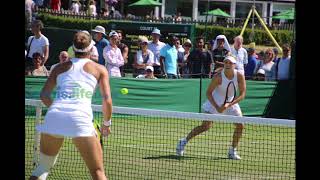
{"points": [[144, 148]]}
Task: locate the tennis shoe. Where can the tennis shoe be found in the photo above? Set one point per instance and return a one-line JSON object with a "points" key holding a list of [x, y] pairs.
{"points": [[233, 154], [180, 146]]}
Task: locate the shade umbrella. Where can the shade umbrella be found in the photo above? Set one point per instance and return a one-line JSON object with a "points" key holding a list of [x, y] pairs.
{"points": [[149, 3], [217, 12], [289, 15]]}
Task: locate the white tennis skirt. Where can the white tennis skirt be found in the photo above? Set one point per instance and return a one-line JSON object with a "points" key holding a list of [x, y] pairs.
{"points": [[234, 110], [67, 122]]}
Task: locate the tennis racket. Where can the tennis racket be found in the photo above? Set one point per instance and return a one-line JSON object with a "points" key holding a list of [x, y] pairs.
{"points": [[97, 126], [231, 87]]}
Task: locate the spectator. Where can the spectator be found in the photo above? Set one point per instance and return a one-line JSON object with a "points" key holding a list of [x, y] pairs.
{"points": [[200, 60], [113, 56], [282, 65], [55, 5], [38, 68], [92, 8], [210, 44], [182, 59], [148, 73], [37, 43], [30, 7], [238, 51], [143, 58], [94, 55], [220, 50], [101, 42], [168, 58], [63, 57], [260, 75], [266, 64], [252, 63], [276, 52], [178, 17], [75, 6], [261, 55], [155, 46], [124, 51], [179, 46]]}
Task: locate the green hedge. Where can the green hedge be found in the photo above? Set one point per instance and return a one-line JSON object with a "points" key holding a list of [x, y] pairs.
{"points": [[260, 36]]}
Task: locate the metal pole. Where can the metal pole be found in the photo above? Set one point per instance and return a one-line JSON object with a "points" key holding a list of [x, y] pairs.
{"points": [[245, 23]]}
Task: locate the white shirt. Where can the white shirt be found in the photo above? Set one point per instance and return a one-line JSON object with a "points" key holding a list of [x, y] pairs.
{"points": [[155, 48], [242, 58], [142, 76], [37, 45], [140, 58], [114, 59], [75, 7], [93, 9], [283, 68], [267, 69]]}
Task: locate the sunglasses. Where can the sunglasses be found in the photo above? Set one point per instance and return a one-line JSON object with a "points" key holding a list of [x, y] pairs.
{"points": [[187, 45], [143, 43]]}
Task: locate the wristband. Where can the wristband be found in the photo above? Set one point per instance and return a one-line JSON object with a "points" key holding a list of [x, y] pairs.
{"points": [[107, 123]]}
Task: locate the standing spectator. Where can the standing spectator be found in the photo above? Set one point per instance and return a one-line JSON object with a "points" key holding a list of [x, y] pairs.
{"points": [[252, 63], [182, 59], [30, 7], [37, 43], [63, 57], [92, 8], [179, 46], [155, 46], [276, 52], [94, 55], [75, 6], [124, 51], [282, 65], [178, 17], [55, 5], [200, 60], [101, 42], [220, 50], [38, 68], [143, 58], [168, 58], [241, 53], [261, 55], [266, 64], [148, 73], [113, 56]]}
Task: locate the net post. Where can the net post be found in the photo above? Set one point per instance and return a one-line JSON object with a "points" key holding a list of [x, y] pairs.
{"points": [[36, 145]]}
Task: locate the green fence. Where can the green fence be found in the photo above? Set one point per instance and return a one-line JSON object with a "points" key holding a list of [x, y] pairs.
{"points": [[269, 99]]}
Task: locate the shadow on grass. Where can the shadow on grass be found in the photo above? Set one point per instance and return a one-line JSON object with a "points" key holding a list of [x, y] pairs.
{"points": [[175, 157]]}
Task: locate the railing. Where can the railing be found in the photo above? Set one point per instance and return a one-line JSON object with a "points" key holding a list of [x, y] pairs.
{"points": [[232, 23]]}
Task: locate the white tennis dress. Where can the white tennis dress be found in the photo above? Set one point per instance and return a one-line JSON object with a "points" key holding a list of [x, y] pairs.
{"points": [[219, 95], [71, 114]]}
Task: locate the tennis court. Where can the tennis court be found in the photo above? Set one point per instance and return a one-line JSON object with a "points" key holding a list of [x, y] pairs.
{"points": [[143, 147]]}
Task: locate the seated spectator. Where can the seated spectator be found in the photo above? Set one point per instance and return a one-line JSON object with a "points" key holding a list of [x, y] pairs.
{"points": [[94, 55], [143, 58], [63, 57], [37, 69], [282, 65], [148, 73], [252, 62], [266, 64], [260, 75]]}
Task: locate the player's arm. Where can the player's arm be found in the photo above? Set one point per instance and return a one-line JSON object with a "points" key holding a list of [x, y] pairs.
{"points": [[106, 100], [242, 89], [212, 86], [45, 94], [162, 59]]}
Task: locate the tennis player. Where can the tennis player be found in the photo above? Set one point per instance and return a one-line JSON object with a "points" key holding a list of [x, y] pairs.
{"points": [[70, 113], [216, 104]]}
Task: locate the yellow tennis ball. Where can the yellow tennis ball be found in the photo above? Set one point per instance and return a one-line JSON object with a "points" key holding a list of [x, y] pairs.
{"points": [[124, 91]]}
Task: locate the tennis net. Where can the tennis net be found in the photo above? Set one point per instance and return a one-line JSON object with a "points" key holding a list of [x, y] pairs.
{"points": [[143, 146]]}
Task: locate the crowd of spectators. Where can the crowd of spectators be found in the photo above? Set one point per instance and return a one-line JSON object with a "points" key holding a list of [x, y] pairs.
{"points": [[171, 60]]}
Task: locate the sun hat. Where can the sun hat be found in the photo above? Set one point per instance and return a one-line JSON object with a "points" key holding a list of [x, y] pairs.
{"points": [[99, 29]]}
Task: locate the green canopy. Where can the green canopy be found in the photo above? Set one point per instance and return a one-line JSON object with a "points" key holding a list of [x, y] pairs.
{"points": [[150, 3], [217, 12], [289, 15]]}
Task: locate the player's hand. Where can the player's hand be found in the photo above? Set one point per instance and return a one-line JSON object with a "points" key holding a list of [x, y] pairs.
{"points": [[223, 107], [105, 130]]}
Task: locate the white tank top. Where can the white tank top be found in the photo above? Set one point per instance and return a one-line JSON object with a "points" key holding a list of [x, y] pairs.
{"points": [[219, 94], [75, 87]]}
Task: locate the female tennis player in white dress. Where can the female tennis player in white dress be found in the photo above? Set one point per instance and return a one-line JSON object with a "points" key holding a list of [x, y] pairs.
{"points": [[70, 114], [215, 104]]}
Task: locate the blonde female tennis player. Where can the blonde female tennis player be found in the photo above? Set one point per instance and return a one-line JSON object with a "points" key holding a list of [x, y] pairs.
{"points": [[219, 103], [70, 114]]}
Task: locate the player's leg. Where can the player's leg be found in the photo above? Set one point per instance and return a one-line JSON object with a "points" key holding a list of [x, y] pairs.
{"points": [[237, 134], [49, 149], [91, 152], [235, 111], [194, 132]]}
